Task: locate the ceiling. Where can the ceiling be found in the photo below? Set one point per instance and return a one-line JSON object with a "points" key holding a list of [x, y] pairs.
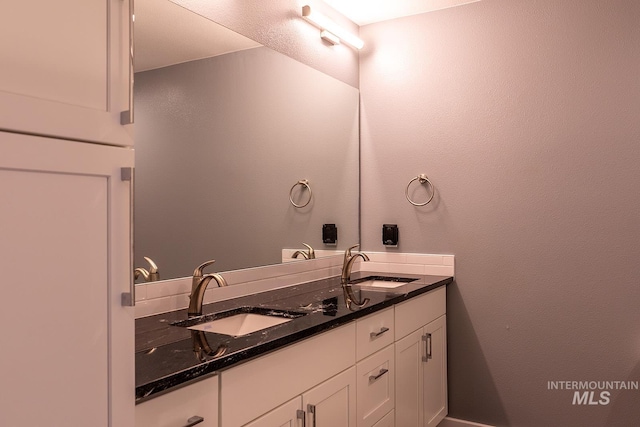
{"points": [[168, 34], [364, 12]]}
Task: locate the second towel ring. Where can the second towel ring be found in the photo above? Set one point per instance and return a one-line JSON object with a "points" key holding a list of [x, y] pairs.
{"points": [[304, 183], [422, 178]]}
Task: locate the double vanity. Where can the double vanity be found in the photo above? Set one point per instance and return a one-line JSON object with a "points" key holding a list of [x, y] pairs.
{"points": [[317, 354]]}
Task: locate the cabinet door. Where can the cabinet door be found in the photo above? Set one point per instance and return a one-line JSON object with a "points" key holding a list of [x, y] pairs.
{"points": [[177, 408], [409, 393], [68, 344], [435, 372], [332, 403], [286, 415], [64, 69]]}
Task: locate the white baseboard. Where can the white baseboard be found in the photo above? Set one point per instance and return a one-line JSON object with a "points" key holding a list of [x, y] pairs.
{"points": [[454, 422]]}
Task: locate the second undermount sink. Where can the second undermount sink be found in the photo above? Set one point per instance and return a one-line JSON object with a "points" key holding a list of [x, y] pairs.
{"points": [[383, 282], [240, 321]]}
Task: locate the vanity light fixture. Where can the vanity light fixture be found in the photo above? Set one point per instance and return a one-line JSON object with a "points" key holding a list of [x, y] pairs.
{"points": [[330, 31]]}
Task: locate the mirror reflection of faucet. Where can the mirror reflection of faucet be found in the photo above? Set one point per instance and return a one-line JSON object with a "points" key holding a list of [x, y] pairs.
{"points": [[199, 284], [150, 275], [309, 254], [345, 279], [202, 349]]}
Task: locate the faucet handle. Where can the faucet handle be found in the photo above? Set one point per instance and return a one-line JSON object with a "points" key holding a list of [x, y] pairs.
{"points": [[153, 267], [311, 252], [198, 271]]}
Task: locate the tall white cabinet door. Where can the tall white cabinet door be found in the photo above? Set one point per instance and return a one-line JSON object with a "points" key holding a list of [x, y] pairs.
{"points": [[409, 394], [332, 403], [68, 344], [435, 372], [64, 69]]}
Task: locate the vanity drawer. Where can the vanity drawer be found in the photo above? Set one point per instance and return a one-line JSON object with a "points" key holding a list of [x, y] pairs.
{"points": [[417, 312], [176, 408], [374, 332], [376, 386]]}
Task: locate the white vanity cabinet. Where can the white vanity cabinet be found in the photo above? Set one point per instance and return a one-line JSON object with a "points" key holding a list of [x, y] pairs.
{"points": [[318, 371], [421, 360], [65, 69], [195, 404], [329, 404], [68, 343]]}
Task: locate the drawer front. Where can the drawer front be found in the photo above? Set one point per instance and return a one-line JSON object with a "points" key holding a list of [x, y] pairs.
{"points": [[374, 332], [270, 380], [376, 382], [175, 408], [417, 312]]}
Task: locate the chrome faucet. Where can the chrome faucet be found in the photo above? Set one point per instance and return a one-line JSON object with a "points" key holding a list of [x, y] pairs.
{"points": [[309, 254], [348, 263], [150, 275], [199, 284]]}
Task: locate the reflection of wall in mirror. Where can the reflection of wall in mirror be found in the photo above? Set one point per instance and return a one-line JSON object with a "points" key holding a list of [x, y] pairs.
{"points": [[220, 142]]}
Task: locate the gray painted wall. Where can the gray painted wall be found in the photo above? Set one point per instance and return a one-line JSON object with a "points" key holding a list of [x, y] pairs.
{"points": [[525, 115], [219, 144]]}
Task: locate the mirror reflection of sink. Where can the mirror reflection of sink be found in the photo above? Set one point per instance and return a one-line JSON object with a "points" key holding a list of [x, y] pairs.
{"points": [[383, 282], [240, 324], [240, 321]]}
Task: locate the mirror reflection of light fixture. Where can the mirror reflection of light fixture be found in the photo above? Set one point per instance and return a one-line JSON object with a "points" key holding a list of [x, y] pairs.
{"points": [[330, 31]]}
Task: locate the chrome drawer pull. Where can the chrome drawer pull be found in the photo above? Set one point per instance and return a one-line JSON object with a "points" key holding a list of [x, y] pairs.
{"points": [[312, 410], [428, 350], [193, 421], [300, 414], [377, 334], [372, 378]]}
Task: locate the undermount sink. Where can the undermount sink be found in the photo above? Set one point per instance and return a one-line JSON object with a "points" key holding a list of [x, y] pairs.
{"points": [[240, 321], [382, 282], [240, 324]]}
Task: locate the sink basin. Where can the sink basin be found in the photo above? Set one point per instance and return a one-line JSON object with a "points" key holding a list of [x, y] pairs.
{"points": [[240, 324], [239, 321], [383, 282]]}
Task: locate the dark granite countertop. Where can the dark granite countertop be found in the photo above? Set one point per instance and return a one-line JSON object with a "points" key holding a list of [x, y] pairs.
{"points": [[166, 357]]}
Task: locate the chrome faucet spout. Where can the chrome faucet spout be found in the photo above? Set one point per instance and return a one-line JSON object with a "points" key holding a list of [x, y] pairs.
{"points": [[349, 259], [309, 254], [151, 275], [197, 294]]}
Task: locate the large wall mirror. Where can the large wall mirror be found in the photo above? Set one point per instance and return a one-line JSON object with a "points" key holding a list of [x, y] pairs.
{"points": [[224, 129]]}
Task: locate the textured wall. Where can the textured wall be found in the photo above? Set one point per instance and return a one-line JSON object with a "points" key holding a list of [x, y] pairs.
{"points": [[525, 115], [219, 144], [278, 24]]}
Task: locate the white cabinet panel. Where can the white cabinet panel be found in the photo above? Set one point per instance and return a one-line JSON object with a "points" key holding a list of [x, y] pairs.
{"points": [[270, 380], [332, 403], [387, 421], [64, 250], [421, 376], [286, 415], [176, 408], [374, 332], [64, 69], [435, 372], [376, 380]]}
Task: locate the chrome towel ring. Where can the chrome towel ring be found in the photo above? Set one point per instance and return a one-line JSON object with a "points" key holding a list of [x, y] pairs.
{"points": [[303, 183], [422, 178]]}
